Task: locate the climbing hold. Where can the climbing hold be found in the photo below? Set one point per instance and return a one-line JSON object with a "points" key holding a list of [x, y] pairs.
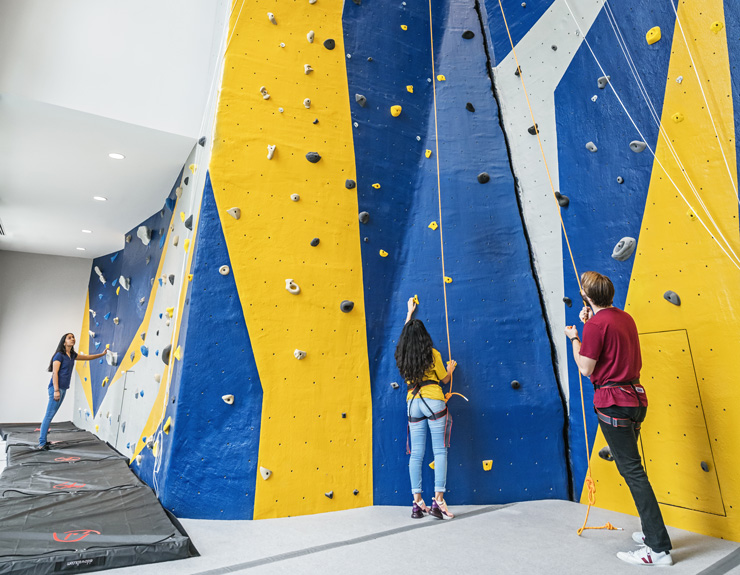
{"points": [[148, 259], [431, 465], [228, 399], [171, 278], [310, 36], [186, 245], [716, 27], [178, 352], [563, 201], [347, 306], [178, 194], [624, 249], [554, 48], [111, 357], [677, 117], [142, 335], [483, 178], [307, 69], [175, 240], [265, 473], [637, 146], [265, 95], [115, 319], [105, 381], [679, 79], [292, 287], [448, 280], [144, 351], [433, 226], [167, 425], [428, 153], [344, 415], [97, 427], [224, 270], [704, 466], [410, 89], [186, 180], [313, 157], [144, 234], [202, 142], [468, 34], [299, 354], [672, 297], [315, 242], [349, 184], [594, 98], [653, 35], [107, 316], [376, 186], [364, 217], [125, 282], [295, 197], [441, 77], [603, 81], [620, 180], [396, 111], [170, 311], [487, 464], [416, 299], [606, 453], [270, 152], [361, 100], [329, 494], [591, 147], [157, 378], [329, 44], [307, 103], [394, 385], [404, 27], [469, 107], [271, 18], [166, 354], [192, 168], [383, 254], [533, 129], [356, 492], [515, 384], [91, 333], [518, 71], [182, 216], [567, 301]]}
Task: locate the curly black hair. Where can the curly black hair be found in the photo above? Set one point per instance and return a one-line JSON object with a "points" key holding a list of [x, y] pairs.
{"points": [[62, 349], [414, 351]]}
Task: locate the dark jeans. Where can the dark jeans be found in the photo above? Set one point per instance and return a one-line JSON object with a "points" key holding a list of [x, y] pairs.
{"points": [[623, 444]]}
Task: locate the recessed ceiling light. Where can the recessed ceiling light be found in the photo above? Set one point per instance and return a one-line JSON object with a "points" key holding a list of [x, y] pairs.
{"points": [[116, 156], [86, 231], [81, 249], [100, 198]]}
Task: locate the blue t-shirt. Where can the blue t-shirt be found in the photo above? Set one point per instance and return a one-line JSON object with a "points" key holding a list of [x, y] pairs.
{"points": [[65, 370]]}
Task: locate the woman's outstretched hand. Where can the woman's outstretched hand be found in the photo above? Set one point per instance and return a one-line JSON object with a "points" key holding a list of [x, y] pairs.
{"points": [[411, 306]]}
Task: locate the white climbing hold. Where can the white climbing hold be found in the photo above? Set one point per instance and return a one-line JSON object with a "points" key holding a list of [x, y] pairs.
{"points": [[265, 473], [282, 44], [307, 69], [175, 240], [138, 459], [312, 1], [223, 270], [265, 95], [281, 110], [228, 399], [100, 275], [235, 213], [310, 36], [299, 354], [295, 197], [307, 103], [142, 301], [157, 377], [125, 282], [270, 152], [594, 98], [92, 333], [292, 287], [591, 147], [111, 357], [679, 79], [116, 320], [178, 192], [271, 18], [637, 146], [144, 234]]}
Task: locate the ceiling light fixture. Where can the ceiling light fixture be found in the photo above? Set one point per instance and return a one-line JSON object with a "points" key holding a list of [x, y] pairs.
{"points": [[81, 249], [116, 156], [86, 231], [100, 198]]}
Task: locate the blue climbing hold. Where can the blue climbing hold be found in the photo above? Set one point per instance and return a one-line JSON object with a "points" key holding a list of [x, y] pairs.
{"points": [[113, 258], [114, 282], [141, 393], [97, 345], [144, 351], [170, 203], [100, 296], [161, 241], [160, 285], [156, 352], [107, 316]]}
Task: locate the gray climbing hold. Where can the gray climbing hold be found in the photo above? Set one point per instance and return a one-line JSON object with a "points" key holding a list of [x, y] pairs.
{"points": [[624, 249], [606, 454], [307, 103], [483, 178], [307, 69], [166, 354], [292, 287], [270, 151], [563, 201], [394, 385], [111, 357], [533, 129], [468, 34], [313, 157], [364, 217], [567, 301], [224, 270], [189, 222], [591, 147], [263, 91], [637, 146], [361, 100], [554, 48], [469, 107], [202, 142], [329, 44], [349, 184], [330, 494], [347, 306], [295, 197], [171, 277], [356, 492], [515, 384], [369, 58], [125, 282], [603, 81], [148, 259], [672, 297], [366, 240], [704, 466], [620, 180], [176, 240], [315, 242], [142, 335]]}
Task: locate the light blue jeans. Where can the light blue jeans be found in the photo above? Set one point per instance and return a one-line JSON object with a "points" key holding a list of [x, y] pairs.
{"points": [[418, 436], [51, 410]]}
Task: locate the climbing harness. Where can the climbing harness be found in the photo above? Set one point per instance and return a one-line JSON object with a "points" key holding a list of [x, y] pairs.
{"points": [[634, 385], [415, 388]]}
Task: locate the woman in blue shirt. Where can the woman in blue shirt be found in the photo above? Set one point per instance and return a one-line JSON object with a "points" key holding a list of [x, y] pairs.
{"points": [[60, 366]]}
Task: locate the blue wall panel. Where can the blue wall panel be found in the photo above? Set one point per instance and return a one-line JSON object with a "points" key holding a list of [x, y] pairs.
{"points": [[520, 16]]}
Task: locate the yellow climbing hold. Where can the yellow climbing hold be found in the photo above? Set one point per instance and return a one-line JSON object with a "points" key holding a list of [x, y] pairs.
{"points": [[653, 35], [182, 216], [404, 27], [193, 167], [107, 346], [677, 117], [376, 186], [383, 254], [118, 290], [97, 427], [178, 353], [433, 226], [487, 464], [416, 299], [716, 26], [410, 89], [448, 280], [170, 311], [155, 449], [395, 111], [441, 77], [190, 277], [186, 245], [431, 465], [104, 382], [428, 153], [167, 425]]}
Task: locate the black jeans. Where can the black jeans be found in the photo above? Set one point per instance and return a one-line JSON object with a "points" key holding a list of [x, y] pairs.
{"points": [[623, 444]]}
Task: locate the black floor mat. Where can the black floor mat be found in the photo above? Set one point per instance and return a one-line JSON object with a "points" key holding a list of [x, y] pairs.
{"points": [[90, 450], [6, 428]]}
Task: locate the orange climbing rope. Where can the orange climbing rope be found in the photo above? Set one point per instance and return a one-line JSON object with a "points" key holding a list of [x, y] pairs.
{"points": [[589, 482]]}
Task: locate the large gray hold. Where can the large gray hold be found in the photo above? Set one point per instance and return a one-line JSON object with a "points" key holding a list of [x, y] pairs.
{"points": [[166, 354], [624, 249], [637, 146], [189, 222], [347, 306], [672, 297], [364, 217], [361, 100], [349, 184], [603, 81], [313, 157]]}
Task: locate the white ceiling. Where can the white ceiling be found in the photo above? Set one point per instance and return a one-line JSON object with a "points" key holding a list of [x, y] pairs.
{"points": [[80, 79]]}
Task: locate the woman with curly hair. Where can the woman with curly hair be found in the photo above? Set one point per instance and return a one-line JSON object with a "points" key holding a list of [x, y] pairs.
{"points": [[423, 370]]}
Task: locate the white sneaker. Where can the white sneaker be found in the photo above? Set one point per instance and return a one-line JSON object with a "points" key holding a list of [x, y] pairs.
{"points": [[646, 556], [638, 537]]}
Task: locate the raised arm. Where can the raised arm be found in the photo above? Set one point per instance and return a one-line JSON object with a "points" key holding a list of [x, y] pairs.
{"points": [[411, 305], [83, 357]]}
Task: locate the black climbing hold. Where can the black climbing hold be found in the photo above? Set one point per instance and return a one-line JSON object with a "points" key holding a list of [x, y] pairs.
{"points": [[172, 279], [533, 129], [189, 222], [347, 306], [469, 107], [672, 297], [356, 492], [620, 180], [166, 354], [554, 48], [364, 217], [606, 453], [330, 494], [358, 2], [624, 249], [483, 178], [157, 332], [313, 157], [329, 44], [315, 242], [349, 184], [366, 240], [344, 415], [132, 356], [515, 384], [468, 34], [518, 71], [316, 121], [202, 142], [361, 100], [563, 201], [567, 301], [704, 466], [186, 180]]}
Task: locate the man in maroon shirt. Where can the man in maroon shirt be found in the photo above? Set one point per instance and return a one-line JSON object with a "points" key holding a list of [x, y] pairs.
{"points": [[610, 356]]}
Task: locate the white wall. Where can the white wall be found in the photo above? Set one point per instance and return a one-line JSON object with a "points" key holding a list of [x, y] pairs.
{"points": [[41, 298]]}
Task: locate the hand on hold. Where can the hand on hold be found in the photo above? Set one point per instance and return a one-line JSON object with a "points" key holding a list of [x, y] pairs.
{"points": [[571, 331], [586, 314], [411, 305], [57, 395], [451, 365]]}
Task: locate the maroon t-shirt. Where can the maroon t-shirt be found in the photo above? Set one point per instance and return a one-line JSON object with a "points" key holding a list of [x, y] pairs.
{"points": [[610, 337]]}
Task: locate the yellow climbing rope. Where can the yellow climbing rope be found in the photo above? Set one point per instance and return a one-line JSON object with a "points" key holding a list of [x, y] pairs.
{"points": [[589, 482]]}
